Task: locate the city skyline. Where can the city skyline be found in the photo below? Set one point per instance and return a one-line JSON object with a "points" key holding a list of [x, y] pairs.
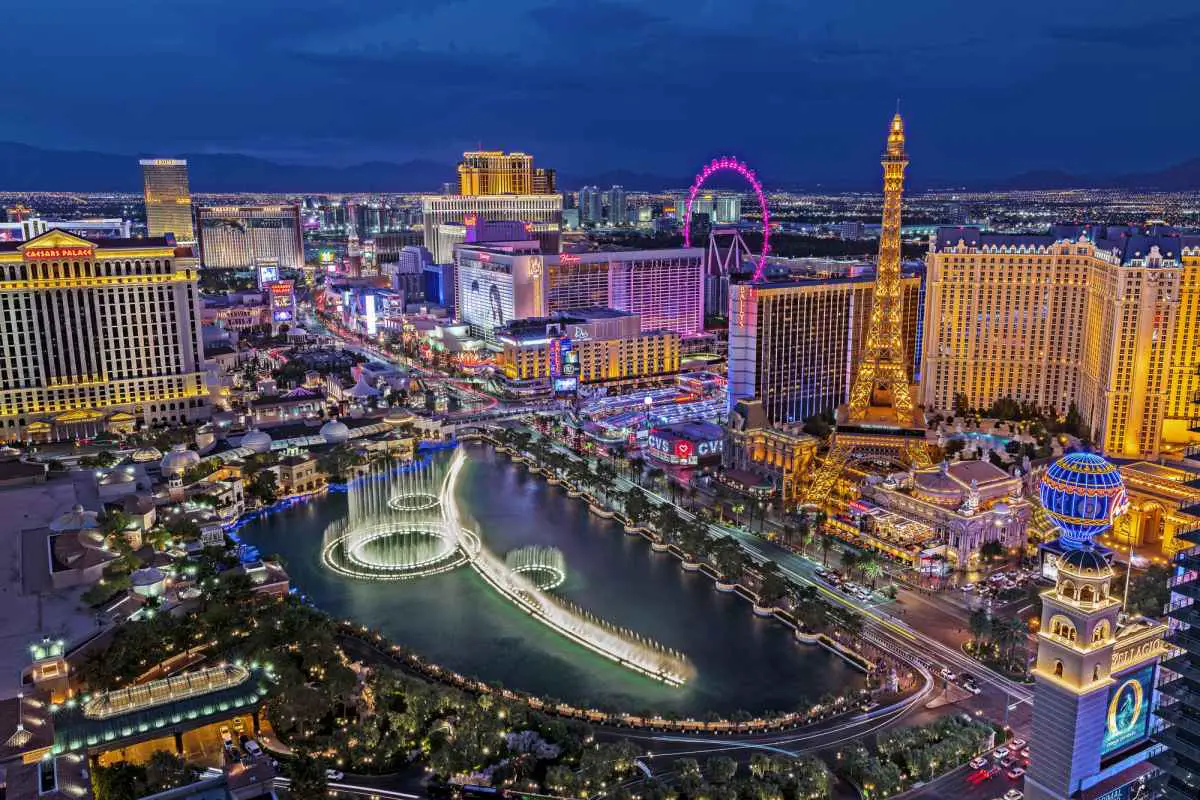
{"points": [[818, 77]]}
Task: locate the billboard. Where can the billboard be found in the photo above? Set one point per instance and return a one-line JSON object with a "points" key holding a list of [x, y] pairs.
{"points": [[283, 301], [1127, 720], [267, 274]]}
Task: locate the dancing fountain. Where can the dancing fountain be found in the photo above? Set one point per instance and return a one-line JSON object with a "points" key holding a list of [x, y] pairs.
{"points": [[404, 524], [545, 566], [393, 529]]}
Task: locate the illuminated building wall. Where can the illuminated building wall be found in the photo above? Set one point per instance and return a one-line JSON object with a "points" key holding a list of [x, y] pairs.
{"points": [[168, 199], [611, 346], [1103, 318], [793, 345], [664, 287], [498, 283], [100, 336], [544, 210], [241, 237], [485, 172]]}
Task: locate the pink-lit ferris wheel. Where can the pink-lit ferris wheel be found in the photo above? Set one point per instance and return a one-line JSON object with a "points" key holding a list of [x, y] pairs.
{"points": [[731, 164]]}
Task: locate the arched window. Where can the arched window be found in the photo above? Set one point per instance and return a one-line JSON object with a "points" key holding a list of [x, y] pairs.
{"points": [[1058, 669], [1096, 673], [1062, 627], [1101, 631], [1067, 589], [1087, 594]]}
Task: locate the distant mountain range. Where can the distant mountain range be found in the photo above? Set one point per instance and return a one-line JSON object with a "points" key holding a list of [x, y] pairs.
{"points": [[27, 168]]}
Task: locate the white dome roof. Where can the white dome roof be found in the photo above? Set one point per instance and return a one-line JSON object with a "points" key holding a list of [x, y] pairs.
{"points": [[256, 441], [335, 432], [76, 520], [179, 459]]}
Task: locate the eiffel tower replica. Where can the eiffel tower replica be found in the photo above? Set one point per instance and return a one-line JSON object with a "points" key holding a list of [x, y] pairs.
{"points": [[880, 423]]}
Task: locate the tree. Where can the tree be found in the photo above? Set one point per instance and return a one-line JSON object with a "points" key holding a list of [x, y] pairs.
{"points": [[121, 781], [980, 625], [871, 568], [264, 488], [720, 769], [165, 770], [114, 522], [991, 550], [731, 561], [850, 561], [307, 775], [825, 542]]}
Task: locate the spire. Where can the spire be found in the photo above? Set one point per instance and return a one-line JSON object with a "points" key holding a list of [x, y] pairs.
{"points": [[895, 140]]}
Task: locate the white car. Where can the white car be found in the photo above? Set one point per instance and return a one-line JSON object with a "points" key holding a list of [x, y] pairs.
{"points": [[1013, 794], [966, 587], [252, 748], [1016, 744], [999, 753], [334, 775]]}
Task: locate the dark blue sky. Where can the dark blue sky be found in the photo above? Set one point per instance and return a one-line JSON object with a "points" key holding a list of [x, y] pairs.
{"points": [[801, 89]]}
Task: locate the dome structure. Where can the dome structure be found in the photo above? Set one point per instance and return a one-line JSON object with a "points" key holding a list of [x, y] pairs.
{"points": [[76, 520], [335, 432], [1085, 562], [179, 460], [1082, 494], [256, 441]]}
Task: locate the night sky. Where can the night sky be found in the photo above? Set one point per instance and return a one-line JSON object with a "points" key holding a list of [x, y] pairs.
{"points": [[801, 89]]}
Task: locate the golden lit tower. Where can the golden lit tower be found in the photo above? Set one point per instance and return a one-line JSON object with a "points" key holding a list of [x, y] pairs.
{"points": [[168, 198], [880, 422], [880, 390]]}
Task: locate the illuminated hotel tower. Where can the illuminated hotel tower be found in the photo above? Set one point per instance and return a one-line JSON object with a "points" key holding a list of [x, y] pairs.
{"points": [[102, 336], [880, 419], [168, 199]]}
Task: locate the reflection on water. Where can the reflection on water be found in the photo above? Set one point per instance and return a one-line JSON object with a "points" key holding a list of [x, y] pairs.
{"points": [[456, 620]]}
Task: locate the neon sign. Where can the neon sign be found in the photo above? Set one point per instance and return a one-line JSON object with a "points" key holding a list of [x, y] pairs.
{"points": [[42, 253]]}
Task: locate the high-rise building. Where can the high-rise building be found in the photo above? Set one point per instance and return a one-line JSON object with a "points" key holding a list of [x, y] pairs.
{"points": [[1179, 688], [542, 211], [591, 206], [407, 272], [496, 283], [1100, 318], [793, 345], [545, 181], [486, 172], [244, 237], [168, 198], [618, 208], [102, 336], [665, 288], [727, 210]]}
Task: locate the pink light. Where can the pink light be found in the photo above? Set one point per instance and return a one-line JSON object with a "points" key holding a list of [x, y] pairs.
{"points": [[731, 163]]}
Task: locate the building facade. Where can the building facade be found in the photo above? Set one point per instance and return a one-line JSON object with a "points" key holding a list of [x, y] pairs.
{"points": [[244, 237], [609, 347], [783, 456], [793, 345], [168, 198], [665, 288], [618, 206], [542, 211], [100, 336], [484, 172], [498, 283], [1100, 318]]}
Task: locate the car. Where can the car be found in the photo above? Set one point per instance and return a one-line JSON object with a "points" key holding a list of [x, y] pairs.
{"points": [[977, 763], [1008, 762], [252, 748], [977, 777], [999, 753], [334, 775], [226, 736], [1013, 794], [966, 587], [1017, 744], [1025, 753]]}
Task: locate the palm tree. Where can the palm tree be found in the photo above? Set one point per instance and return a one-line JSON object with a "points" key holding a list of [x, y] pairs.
{"points": [[805, 536], [850, 561], [979, 624], [871, 567], [825, 542]]}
